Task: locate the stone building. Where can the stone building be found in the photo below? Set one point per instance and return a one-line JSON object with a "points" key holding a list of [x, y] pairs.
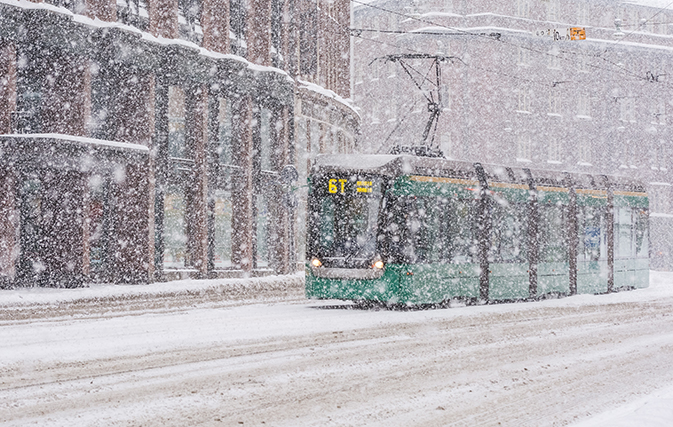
{"points": [[142, 140], [521, 87]]}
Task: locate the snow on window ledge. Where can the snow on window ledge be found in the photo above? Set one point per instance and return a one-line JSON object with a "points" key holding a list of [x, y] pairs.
{"points": [[554, 162], [521, 160], [584, 164]]}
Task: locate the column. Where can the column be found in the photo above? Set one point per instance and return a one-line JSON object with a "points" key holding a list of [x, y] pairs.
{"points": [[66, 104], [215, 23], [163, 18], [8, 227], [242, 184], [258, 32], [7, 86]]}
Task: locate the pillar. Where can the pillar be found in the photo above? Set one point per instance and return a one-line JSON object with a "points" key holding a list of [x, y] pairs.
{"points": [[242, 184], [163, 18], [258, 32], [215, 24], [7, 86], [66, 104], [8, 228]]}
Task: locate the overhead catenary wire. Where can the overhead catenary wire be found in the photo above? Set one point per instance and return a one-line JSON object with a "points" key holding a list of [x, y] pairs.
{"points": [[459, 31]]}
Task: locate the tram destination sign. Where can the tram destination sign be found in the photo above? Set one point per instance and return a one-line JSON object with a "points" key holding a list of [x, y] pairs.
{"points": [[354, 185]]}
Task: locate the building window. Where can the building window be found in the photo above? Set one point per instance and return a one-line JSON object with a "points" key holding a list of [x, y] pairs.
{"points": [[523, 8], [98, 216], [266, 149], [523, 148], [553, 10], [583, 59], [446, 145], [97, 126], [523, 56], [523, 101], [445, 93], [76, 6], [189, 20], [554, 61], [176, 123], [262, 232], [221, 214], [659, 112], [375, 114], [554, 103], [221, 209], [375, 69], [584, 151], [134, 13], [627, 109], [584, 106], [175, 204], [582, 13], [277, 33], [554, 150], [237, 22]]}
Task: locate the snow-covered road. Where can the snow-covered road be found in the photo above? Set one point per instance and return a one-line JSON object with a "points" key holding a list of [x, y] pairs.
{"points": [[285, 361]]}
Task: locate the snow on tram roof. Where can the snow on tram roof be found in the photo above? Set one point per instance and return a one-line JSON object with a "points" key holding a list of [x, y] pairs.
{"points": [[352, 161]]}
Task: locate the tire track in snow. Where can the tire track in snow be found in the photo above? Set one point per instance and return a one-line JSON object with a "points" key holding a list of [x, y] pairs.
{"points": [[480, 368]]}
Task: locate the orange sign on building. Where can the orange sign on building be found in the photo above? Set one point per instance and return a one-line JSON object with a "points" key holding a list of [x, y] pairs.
{"points": [[577, 33]]}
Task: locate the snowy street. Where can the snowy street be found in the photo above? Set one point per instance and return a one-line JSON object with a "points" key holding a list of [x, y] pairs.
{"points": [[278, 359]]}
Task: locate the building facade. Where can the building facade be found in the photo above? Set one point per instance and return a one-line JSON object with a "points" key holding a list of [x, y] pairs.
{"points": [[520, 86], [143, 140]]}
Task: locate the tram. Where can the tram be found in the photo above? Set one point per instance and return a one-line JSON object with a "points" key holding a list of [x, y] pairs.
{"points": [[409, 230]]}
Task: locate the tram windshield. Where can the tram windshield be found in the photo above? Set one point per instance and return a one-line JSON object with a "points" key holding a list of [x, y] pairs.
{"points": [[343, 219]]}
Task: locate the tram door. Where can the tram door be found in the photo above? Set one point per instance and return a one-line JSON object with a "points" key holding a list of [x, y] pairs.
{"points": [[592, 260]]}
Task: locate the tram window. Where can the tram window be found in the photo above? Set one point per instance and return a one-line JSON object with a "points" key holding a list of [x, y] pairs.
{"points": [[347, 227], [462, 244], [428, 230], [552, 234], [593, 240], [623, 233], [641, 233], [509, 233]]}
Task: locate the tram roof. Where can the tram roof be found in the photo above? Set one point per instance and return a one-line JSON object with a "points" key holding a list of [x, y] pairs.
{"points": [[390, 164], [404, 164]]}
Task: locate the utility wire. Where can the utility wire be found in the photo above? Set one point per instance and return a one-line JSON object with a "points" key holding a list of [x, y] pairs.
{"points": [[465, 32], [638, 26]]}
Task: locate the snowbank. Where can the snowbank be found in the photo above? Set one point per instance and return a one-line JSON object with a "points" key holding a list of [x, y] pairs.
{"points": [[250, 288]]}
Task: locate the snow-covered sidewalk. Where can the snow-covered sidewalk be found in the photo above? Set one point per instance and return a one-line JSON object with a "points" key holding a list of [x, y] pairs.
{"points": [[242, 289]]}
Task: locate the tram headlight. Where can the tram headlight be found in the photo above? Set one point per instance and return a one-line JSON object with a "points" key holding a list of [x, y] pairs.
{"points": [[316, 262], [378, 263]]}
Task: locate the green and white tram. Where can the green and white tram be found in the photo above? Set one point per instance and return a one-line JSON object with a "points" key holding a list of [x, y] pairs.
{"points": [[400, 229]]}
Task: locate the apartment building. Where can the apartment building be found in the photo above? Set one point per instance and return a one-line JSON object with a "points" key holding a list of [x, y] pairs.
{"points": [[143, 140], [578, 86]]}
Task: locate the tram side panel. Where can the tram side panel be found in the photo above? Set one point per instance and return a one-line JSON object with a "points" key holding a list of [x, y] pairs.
{"points": [[508, 248], [592, 252], [631, 220], [437, 248], [553, 265]]}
